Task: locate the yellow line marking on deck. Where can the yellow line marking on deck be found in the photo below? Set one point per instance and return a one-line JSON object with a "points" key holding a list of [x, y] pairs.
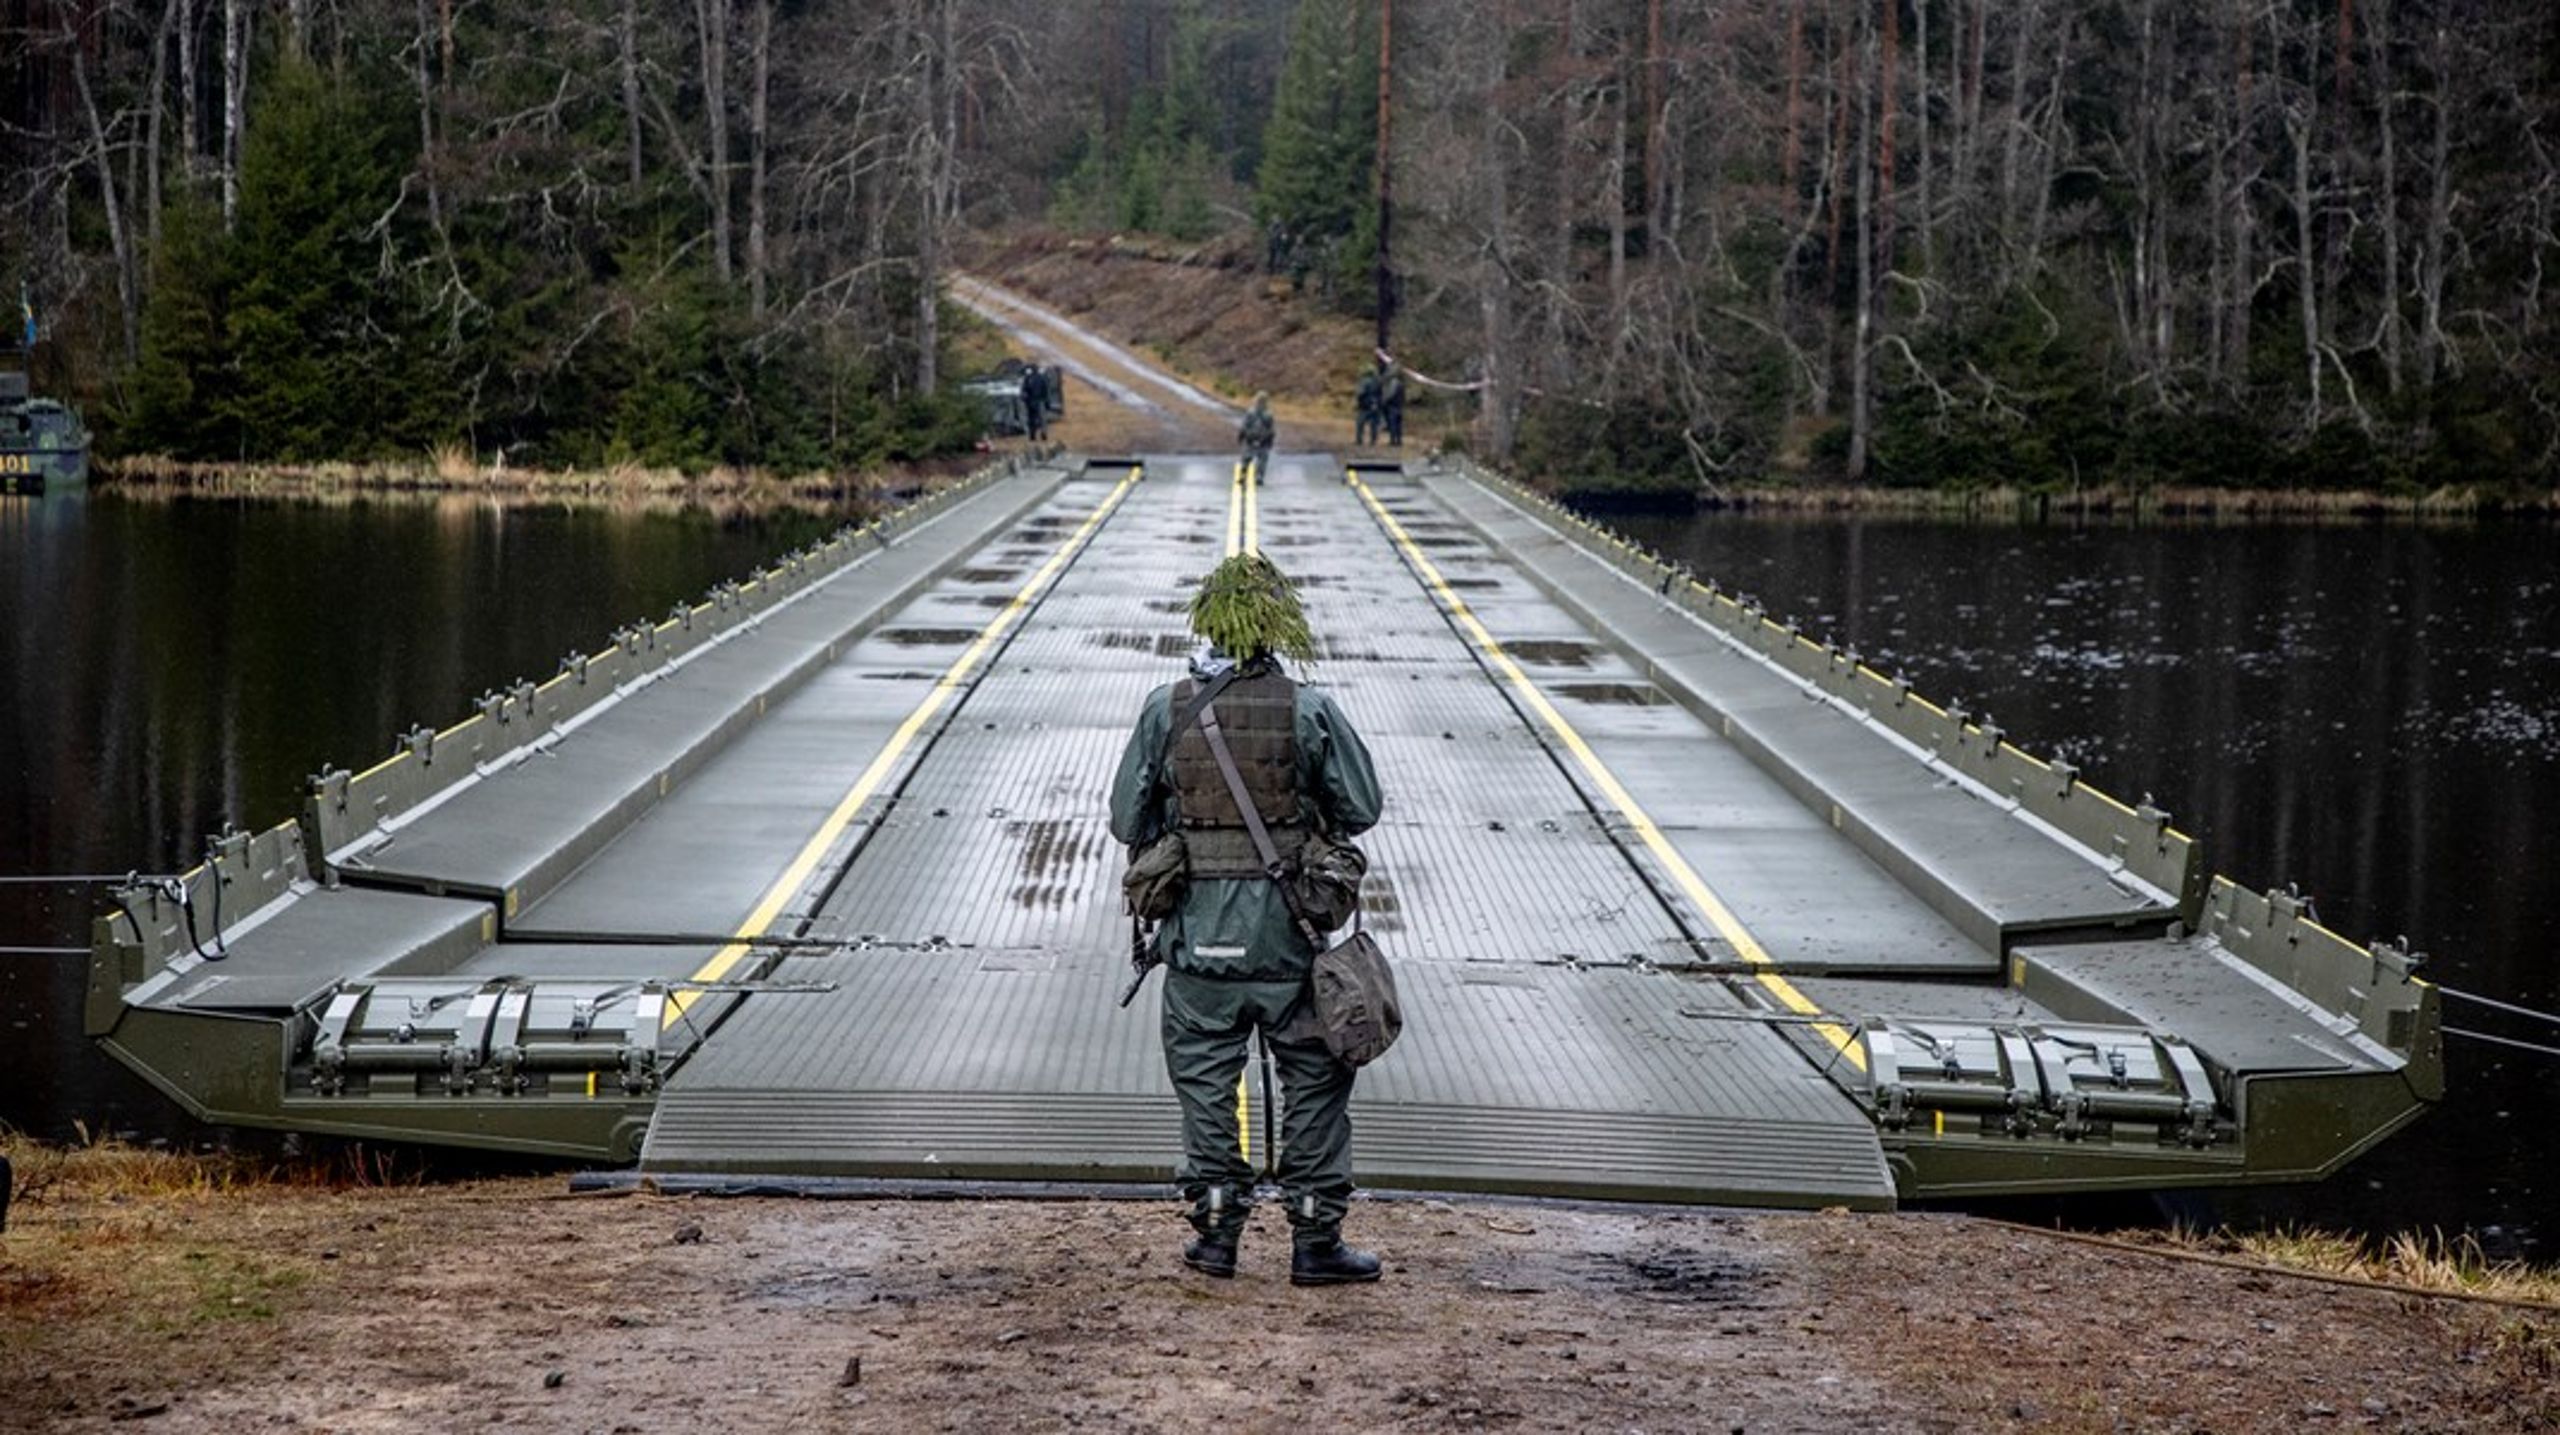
{"points": [[1253, 514], [1235, 510], [952, 681], [1694, 887]]}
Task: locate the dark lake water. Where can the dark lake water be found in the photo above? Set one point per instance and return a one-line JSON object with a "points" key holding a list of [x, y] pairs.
{"points": [[169, 665], [2369, 711], [2372, 712]]}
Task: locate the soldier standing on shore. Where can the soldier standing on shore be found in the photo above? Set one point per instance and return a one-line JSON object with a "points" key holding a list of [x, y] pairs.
{"points": [[1365, 424], [1391, 404], [1236, 961]]}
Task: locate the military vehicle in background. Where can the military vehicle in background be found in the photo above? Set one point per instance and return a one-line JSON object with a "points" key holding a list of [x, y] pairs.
{"points": [[1001, 394], [43, 444]]}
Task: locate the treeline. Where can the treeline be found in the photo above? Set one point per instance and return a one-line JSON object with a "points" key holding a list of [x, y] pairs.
{"points": [[1680, 242], [2039, 242], [2042, 242], [573, 233]]}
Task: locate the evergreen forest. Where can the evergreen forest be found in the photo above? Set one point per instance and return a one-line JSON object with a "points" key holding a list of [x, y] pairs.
{"points": [[1643, 243]]}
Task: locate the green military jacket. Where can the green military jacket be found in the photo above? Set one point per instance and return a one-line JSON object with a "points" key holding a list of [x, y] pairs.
{"points": [[1239, 929]]}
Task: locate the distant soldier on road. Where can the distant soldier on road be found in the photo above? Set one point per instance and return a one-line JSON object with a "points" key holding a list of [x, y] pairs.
{"points": [[1256, 434], [1236, 961], [1035, 403], [1391, 404], [1365, 426]]}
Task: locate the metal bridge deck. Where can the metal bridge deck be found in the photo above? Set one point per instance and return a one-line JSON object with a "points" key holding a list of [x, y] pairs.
{"points": [[1556, 1044], [812, 880]]}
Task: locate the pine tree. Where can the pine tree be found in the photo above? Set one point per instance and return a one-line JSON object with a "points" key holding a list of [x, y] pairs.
{"points": [[179, 398], [324, 339], [663, 414], [1319, 152]]}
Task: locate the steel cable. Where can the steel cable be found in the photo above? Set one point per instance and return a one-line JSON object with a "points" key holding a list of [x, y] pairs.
{"points": [[2532, 1046], [2492, 1002]]}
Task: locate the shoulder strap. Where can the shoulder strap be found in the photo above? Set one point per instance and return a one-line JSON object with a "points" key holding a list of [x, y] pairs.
{"points": [[1272, 866]]}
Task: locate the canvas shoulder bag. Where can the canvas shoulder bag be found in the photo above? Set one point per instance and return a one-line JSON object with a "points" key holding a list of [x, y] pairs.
{"points": [[1353, 988]]}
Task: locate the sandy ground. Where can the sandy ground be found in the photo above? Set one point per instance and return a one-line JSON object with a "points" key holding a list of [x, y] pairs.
{"points": [[512, 1305]]}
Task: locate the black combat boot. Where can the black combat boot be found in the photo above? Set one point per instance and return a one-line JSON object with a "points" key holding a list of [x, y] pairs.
{"points": [[1329, 1262], [1219, 1217], [1212, 1255]]}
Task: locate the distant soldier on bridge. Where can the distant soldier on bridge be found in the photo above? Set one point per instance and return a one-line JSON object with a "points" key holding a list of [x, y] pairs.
{"points": [[1365, 427], [1256, 434], [1235, 959]]}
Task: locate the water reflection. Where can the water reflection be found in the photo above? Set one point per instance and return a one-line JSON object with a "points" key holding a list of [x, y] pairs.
{"points": [[172, 664], [2372, 711]]}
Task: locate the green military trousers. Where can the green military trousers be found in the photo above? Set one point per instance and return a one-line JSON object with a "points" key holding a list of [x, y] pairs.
{"points": [[1207, 1022]]}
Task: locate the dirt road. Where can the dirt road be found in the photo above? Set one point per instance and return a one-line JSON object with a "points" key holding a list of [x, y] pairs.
{"points": [[1122, 397], [1116, 401], [512, 1305]]}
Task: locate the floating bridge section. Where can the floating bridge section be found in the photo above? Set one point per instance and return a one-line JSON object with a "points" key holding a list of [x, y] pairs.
{"points": [[811, 881]]}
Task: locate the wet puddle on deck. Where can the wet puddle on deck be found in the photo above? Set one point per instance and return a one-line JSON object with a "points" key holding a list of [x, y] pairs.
{"points": [[1553, 652], [927, 637], [1163, 645], [1637, 695]]}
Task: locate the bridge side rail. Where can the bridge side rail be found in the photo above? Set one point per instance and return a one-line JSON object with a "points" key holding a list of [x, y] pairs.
{"points": [[2375, 986], [2140, 838], [342, 808], [2273, 932], [151, 922]]}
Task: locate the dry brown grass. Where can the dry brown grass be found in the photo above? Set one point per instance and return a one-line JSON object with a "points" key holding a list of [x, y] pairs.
{"points": [[452, 463], [106, 1169], [2126, 503], [451, 473], [2428, 1261], [112, 1241]]}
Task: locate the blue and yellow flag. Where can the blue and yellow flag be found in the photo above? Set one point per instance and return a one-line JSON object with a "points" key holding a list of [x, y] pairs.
{"points": [[27, 311]]}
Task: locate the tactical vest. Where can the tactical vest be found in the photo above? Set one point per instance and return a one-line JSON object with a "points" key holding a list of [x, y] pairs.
{"points": [[1259, 718]]}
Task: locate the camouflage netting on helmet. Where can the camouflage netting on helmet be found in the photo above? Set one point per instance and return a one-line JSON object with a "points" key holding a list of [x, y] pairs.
{"points": [[1247, 605]]}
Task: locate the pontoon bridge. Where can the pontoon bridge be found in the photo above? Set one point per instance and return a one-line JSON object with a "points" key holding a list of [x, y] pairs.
{"points": [[809, 883]]}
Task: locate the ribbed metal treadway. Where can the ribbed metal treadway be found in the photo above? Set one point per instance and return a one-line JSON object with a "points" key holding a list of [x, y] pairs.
{"points": [[973, 1034]]}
